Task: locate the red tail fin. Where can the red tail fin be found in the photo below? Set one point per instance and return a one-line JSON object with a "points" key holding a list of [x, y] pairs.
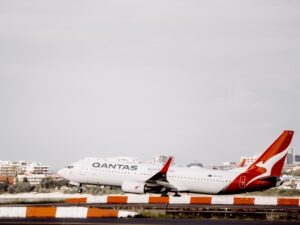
{"points": [[264, 172], [275, 155]]}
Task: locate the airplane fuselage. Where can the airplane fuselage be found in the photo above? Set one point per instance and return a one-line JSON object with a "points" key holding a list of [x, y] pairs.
{"points": [[141, 177], [112, 173]]}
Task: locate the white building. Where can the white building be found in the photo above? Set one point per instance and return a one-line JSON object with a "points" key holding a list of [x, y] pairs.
{"points": [[161, 159], [8, 168], [249, 159], [292, 160], [32, 179], [33, 171], [14, 168]]}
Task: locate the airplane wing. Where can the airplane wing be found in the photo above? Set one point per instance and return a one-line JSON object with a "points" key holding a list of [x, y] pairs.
{"points": [[160, 179], [161, 175]]}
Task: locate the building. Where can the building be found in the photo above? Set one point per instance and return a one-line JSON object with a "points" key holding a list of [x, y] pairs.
{"points": [[8, 168], [224, 166], [249, 159], [5, 179], [32, 179], [293, 158], [36, 168], [14, 168], [229, 165], [162, 159], [33, 171]]}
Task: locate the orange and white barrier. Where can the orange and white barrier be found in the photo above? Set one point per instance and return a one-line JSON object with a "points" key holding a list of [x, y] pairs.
{"points": [[62, 212], [186, 199], [81, 211], [13, 212]]}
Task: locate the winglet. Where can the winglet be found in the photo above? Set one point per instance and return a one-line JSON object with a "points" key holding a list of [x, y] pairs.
{"points": [[166, 166], [162, 174]]}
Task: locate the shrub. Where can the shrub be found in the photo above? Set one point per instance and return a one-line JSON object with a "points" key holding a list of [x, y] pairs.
{"points": [[20, 188]]}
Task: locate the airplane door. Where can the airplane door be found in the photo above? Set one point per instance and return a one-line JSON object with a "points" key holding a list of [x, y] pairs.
{"points": [[242, 182]]}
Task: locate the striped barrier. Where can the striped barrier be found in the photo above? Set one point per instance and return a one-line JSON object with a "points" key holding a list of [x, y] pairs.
{"points": [[186, 199], [62, 212]]}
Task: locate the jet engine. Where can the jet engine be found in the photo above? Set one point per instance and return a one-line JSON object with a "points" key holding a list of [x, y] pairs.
{"points": [[133, 187]]}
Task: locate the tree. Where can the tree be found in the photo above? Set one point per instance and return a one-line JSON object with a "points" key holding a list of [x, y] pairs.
{"points": [[48, 183], [20, 187], [3, 187]]}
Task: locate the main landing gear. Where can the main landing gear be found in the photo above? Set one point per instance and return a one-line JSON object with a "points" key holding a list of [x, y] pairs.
{"points": [[177, 195], [79, 189], [165, 194]]}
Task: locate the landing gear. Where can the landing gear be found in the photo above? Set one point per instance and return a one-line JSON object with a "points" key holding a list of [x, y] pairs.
{"points": [[164, 192], [177, 195], [79, 189]]}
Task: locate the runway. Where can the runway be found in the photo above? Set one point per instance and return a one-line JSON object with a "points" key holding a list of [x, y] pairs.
{"points": [[144, 221]]}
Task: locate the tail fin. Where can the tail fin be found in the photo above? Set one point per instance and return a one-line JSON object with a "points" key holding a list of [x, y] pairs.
{"points": [[264, 172], [273, 158]]}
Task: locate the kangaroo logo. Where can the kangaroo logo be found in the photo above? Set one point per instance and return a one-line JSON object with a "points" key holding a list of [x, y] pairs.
{"points": [[268, 165]]}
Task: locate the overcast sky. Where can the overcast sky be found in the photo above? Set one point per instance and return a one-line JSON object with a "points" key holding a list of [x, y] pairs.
{"points": [[201, 80]]}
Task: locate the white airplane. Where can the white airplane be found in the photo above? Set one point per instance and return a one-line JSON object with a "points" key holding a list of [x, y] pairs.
{"points": [[141, 178]]}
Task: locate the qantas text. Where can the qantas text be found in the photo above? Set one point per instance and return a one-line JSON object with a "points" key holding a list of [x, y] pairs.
{"points": [[115, 166]]}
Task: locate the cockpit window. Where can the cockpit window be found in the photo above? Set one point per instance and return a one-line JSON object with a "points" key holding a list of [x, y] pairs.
{"points": [[70, 167]]}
